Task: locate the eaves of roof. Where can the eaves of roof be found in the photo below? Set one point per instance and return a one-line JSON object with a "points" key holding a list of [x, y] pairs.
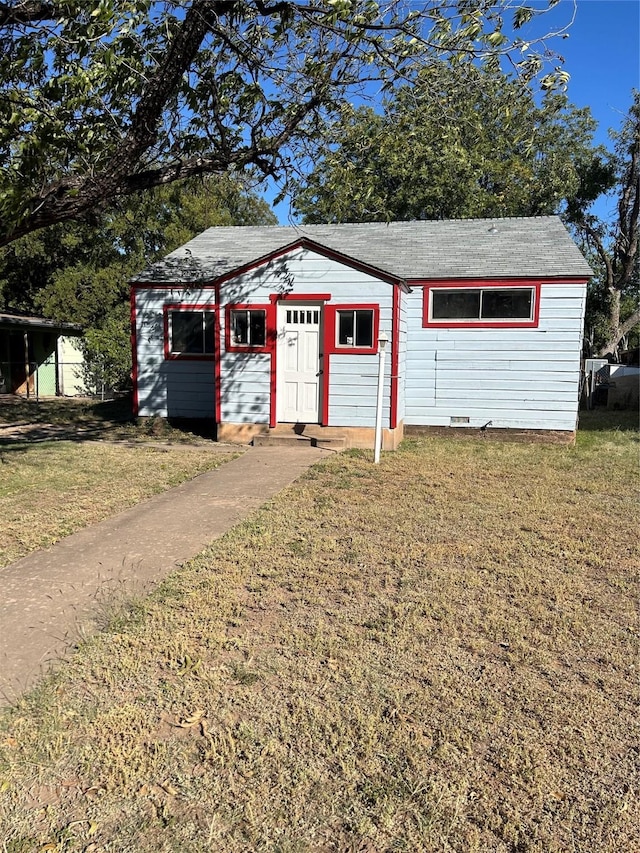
{"points": [[26, 321]]}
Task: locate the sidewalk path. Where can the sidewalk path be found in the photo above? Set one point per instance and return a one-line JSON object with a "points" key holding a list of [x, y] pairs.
{"points": [[51, 599]]}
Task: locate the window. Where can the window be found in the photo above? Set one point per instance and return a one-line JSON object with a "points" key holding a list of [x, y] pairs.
{"points": [[506, 304], [248, 327], [302, 316], [191, 332], [354, 328], [477, 306]]}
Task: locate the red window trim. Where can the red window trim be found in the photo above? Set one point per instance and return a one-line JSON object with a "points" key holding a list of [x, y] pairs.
{"points": [[269, 329], [481, 284], [185, 306], [331, 345]]}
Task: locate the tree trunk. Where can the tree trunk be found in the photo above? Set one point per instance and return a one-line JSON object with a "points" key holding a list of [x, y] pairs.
{"points": [[618, 331]]}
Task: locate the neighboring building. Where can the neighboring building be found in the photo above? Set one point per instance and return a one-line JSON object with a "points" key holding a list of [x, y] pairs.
{"points": [[39, 357], [257, 326]]}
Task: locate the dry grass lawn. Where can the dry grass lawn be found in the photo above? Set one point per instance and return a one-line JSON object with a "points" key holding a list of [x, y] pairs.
{"points": [[50, 489], [435, 654]]}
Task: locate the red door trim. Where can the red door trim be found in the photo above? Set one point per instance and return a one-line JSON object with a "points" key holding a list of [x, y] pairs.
{"points": [[272, 343], [275, 298]]}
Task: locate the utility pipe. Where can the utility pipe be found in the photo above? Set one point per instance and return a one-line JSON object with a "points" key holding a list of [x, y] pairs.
{"points": [[383, 339]]}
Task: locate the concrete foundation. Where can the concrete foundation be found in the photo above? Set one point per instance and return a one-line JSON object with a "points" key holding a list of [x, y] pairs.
{"points": [[535, 436], [346, 437]]}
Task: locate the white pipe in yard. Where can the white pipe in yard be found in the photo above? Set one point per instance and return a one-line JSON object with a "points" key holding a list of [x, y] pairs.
{"points": [[377, 443]]}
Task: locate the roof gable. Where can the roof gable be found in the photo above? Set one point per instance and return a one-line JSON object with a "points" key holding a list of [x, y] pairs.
{"points": [[305, 243]]}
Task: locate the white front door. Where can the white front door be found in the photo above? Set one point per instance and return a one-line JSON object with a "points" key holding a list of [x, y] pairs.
{"points": [[298, 383]]}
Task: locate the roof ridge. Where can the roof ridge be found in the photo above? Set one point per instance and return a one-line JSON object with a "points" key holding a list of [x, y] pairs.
{"points": [[296, 226]]}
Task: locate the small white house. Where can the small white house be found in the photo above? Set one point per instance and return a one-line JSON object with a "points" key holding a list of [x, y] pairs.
{"points": [[254, 327]]}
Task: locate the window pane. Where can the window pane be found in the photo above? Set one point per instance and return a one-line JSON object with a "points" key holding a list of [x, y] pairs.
{"points": [[506, 304], [248, 328], [240, 327], [345, 328], [364, 328], [460, 304], [186, 331], [257, 328]]}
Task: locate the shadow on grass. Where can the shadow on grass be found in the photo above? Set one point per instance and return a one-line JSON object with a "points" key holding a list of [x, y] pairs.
{"points": [[70, 411], [29, 421]]}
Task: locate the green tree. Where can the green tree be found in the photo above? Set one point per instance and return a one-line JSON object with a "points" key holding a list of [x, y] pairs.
{"points": [[103, 98], [459, 142], [613, 302], [80, 272]]}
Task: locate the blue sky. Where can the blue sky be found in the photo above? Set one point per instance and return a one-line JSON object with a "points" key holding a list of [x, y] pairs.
{"points": [[602, 55]]}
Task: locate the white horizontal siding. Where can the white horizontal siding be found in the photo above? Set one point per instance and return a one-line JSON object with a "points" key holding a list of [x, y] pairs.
{"points": [[245, 387], [501, 358], [353, 387], [518, 378], [304, 272], [246, 412], [521, 339], [177, 390], [500, 400], [170, 388], [455, 385]]}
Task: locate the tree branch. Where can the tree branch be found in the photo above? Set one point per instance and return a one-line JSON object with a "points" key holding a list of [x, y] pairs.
{"points": [[629, 212], [629, 323], [75, 155], [592, 235], [26, 12]]}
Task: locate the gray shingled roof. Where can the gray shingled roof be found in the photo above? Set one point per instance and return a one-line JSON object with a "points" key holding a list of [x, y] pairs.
{"points": [[535, 247]]}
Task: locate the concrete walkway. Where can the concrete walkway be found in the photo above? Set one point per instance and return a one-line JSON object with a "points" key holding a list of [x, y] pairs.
{"points": [[51, 599]]}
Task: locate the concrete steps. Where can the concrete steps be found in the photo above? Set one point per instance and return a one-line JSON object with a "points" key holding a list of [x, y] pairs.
{"points": [[297, 435]]}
